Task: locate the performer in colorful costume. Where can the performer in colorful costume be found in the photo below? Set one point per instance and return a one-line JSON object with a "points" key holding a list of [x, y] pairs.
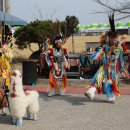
{"points": [[57, 58], [6, 55], [111, 54]]}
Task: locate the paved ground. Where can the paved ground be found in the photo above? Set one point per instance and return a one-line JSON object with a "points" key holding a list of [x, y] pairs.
{"points": [[76, 86], [76, 112]]}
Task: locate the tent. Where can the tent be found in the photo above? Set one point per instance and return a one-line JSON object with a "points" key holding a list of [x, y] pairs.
{"points": [[11, 20], [102, 26], [128, 24], [119, 25], [93, 26]]}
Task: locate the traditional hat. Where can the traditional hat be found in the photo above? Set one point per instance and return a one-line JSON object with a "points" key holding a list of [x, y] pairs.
{"points": [[58, 38], [112, 34]]}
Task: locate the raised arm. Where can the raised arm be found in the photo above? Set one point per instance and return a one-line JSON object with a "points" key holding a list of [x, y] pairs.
{"points": [[66, 58], [48, 58]]}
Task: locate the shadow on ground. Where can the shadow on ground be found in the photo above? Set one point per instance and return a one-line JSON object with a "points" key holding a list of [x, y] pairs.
{"points": [[5, 119], [72, 99]]}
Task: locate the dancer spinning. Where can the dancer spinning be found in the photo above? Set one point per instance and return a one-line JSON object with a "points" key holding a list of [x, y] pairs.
{"points": [[58, 60], [111, 54]]}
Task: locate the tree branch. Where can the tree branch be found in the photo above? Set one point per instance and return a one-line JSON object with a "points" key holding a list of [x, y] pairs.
{"points": [[121, 8]]}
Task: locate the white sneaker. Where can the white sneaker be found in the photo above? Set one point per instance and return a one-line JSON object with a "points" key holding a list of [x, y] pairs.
{"points": [[4, 112], [61, 93], [87, 94], [111, 99], [81, 78], [51, 93], [90, 93]]}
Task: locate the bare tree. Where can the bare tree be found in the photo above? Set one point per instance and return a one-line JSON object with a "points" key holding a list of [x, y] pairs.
{"points": [[121, 9]]}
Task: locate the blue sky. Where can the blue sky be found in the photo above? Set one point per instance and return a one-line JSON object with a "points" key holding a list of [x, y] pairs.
{"points": [[30, 10]]}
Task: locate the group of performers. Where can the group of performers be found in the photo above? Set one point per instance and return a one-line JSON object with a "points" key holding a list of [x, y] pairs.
{"points": [[110, 53], [105, 81]]}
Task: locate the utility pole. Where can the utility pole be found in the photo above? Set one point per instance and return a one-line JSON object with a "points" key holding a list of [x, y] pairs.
{"points": [[1, 9], [7, 6], [1, 6]]}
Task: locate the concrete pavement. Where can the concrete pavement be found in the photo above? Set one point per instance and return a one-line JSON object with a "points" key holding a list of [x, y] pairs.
{"points": [[76, 112]]}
